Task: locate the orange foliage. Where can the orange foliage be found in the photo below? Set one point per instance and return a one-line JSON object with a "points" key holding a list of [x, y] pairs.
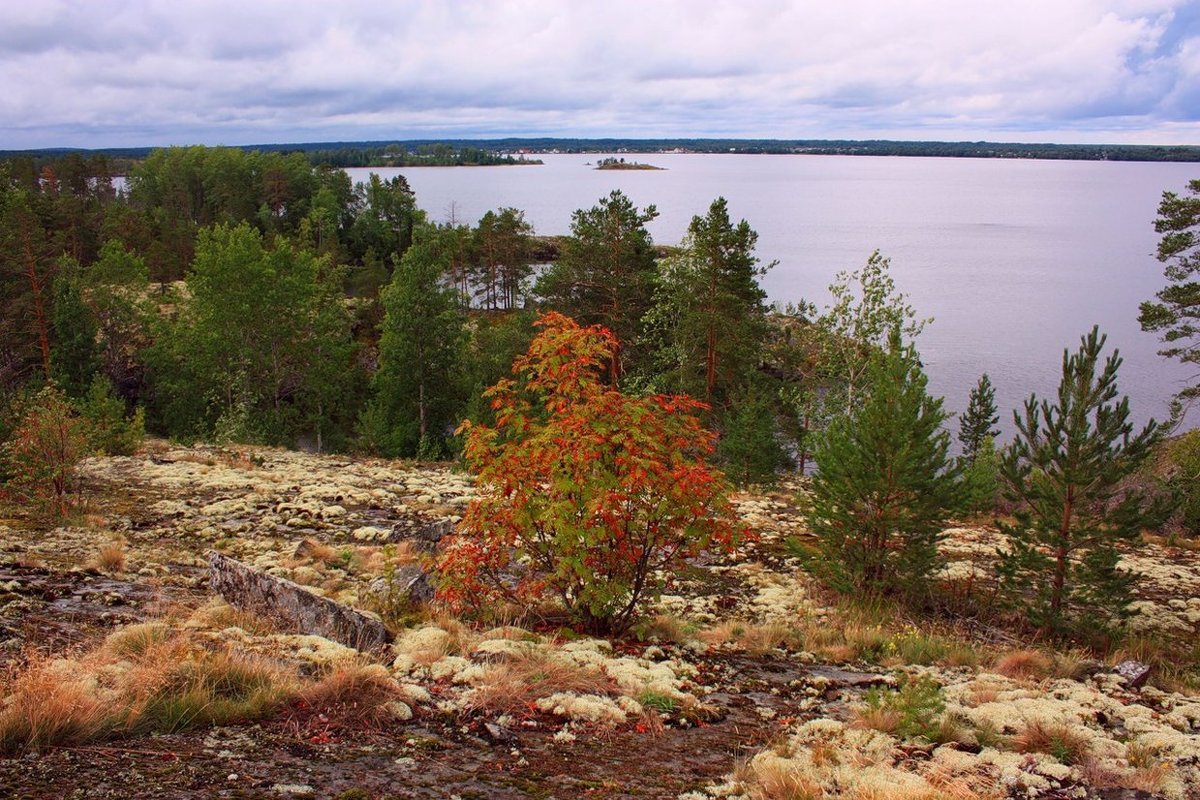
{"points": [[586, 493]]}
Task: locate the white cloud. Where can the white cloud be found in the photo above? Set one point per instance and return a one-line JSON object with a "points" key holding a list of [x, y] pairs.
{"points": [[152, 72]]}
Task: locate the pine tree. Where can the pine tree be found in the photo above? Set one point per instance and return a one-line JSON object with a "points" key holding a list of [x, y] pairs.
{"points": [[1176, 312], [711, 307], [1063, 469], [883, 483], [978, 423], [606, 272]]}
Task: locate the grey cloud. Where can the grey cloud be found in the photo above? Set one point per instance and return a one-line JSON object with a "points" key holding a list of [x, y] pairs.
{"points": [[150, 71]]}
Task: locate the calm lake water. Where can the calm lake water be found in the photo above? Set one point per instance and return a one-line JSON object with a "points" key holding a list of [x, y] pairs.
{"points": [[1013, 259]]}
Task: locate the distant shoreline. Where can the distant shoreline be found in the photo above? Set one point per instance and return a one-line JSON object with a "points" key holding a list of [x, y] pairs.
{"points": [[530, 148]]}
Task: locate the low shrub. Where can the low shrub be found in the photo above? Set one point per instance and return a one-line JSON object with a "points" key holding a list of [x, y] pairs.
{"points": [[911, 711], [43, 452]]}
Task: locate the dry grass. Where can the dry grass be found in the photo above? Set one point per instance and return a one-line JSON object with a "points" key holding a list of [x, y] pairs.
{"points": [[1052, 738], [512, 685], [218, 614], [982, 693], [884, 720], [757, 639], [1026, 664], [351, 695], [146, 679], [667, 628], [134, 641], [777, 779], [110, 557], [45, 704]]}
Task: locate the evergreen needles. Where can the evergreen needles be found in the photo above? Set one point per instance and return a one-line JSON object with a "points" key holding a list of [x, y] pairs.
{"points": [[1064, 469]]}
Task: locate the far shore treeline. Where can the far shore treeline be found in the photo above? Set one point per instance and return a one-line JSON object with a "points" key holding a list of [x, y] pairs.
{"points": [[493, 152]]}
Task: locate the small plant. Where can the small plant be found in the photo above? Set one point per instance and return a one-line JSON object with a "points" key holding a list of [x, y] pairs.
{"points": [[111, 557], [912, 711], [1183, 459], [350, 695], [109, 430], [978, 423], [42, 454], [658, 701], [988, 734], [883, 484], [1056, 739], [1024, 664]]}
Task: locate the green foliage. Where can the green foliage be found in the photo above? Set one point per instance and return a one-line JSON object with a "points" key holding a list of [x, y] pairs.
{"points": [[883, 483], [1064, 469], [109, 430], [41, 455], [1176, 313], [261, 345], [386, 218], [866, 311], [828, 355], [1183, 458], [605, 274], [501, 245], [589, 497], [750, 449], [75, 357], [709, 310], [419, 385], [980, 487], [979, 421], [918, 703], [497, 340]]}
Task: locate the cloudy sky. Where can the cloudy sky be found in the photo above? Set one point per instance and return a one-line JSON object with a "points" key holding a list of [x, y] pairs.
{"points": [[100, 73]]}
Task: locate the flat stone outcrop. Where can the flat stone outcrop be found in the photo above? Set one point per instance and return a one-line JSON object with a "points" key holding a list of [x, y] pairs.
{"points": [[257, 592]]}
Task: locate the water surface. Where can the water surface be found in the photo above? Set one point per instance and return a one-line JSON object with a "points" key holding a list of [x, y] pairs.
{"points": [[1014, 259]]}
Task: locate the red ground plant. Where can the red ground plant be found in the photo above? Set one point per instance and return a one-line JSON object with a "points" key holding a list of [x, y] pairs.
{"points": [[587, 496]]}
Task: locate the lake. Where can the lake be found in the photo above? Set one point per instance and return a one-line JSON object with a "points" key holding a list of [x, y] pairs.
{"points": [[1013, 259]]}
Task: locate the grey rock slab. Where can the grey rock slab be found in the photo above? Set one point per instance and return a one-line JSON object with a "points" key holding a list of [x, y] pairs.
{"points": [[257, 592]]}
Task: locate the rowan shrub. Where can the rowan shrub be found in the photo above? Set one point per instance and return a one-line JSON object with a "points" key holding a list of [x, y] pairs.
{"points": [[587, 495]]}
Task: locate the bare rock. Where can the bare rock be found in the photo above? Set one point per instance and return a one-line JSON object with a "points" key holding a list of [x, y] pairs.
{"points": [[427, 536], [410, 584], [255, 591], [1134, 673]]}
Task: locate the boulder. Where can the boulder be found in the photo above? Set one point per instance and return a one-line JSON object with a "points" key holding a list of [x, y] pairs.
{"points": [[409, 583], [255, 591]]}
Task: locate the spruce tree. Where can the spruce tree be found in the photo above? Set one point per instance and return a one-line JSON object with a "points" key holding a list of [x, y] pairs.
{"points": [[883, 483], [978, 423], [1064, 470]]}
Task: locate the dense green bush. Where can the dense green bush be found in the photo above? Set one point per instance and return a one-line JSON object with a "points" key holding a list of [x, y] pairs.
{"points": [[110, 431]]}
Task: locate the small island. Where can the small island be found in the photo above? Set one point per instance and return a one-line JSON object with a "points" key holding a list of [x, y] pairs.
{"points": [[620, 163]]}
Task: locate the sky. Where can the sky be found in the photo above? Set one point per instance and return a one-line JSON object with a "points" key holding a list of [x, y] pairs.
{"points": [[111, 73]]}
